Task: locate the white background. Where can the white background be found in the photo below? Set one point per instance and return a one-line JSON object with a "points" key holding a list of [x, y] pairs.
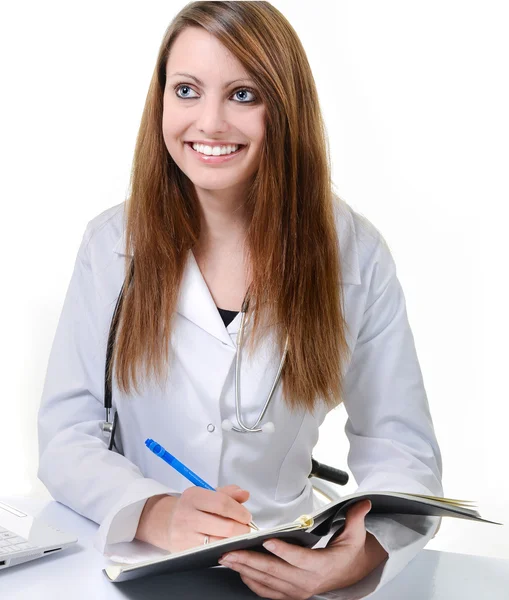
{"points": [[415, 98]]}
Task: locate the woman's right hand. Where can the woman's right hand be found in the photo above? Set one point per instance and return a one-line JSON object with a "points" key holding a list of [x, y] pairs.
{"points": [[178, 523]]}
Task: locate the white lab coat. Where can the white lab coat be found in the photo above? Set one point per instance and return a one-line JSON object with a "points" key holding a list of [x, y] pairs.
{"points": [[392, 441]]}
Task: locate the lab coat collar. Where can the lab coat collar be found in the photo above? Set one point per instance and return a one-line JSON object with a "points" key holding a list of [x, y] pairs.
{"points": [[196, 304], [195, 301]]}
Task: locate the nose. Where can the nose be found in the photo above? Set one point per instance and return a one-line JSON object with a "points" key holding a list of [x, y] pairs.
{"points": [[211, 115]]}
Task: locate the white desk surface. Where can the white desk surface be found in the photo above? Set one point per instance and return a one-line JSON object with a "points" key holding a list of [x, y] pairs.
{"points": [[76, 573]]}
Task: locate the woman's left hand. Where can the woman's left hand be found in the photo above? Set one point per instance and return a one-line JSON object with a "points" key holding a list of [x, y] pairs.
{"points": [[297, 573]]}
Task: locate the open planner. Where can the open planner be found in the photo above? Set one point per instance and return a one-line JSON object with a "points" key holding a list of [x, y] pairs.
{"points": [[306, 531]]}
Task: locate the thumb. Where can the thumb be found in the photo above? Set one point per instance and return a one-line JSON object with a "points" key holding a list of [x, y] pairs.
{"points": [[355, 531]]}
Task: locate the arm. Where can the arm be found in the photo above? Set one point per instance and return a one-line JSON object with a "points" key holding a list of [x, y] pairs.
{"points": [[74, 462], [393, 445]]}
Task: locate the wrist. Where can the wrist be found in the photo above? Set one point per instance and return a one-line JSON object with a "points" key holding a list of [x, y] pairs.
{"points": [[370, 557], [374, 553], [154, 523]]}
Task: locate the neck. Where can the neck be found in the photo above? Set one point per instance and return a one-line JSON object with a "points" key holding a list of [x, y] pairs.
{"points": [[223, 223]]}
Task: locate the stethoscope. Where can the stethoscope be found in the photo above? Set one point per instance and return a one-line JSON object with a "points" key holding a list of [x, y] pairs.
{"points": [[109, 427], [227, 425]]}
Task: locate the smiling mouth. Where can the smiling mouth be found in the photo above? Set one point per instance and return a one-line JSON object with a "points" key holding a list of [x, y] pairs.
{"points": [[240, 147]]}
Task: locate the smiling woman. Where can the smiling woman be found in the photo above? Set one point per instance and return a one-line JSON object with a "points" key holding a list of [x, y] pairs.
{"points": [[232, 210], [216, 115], [244, 213]]}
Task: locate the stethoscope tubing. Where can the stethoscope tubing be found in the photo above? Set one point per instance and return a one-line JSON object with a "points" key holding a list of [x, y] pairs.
{"points": [[244, 428], [109, 427]]}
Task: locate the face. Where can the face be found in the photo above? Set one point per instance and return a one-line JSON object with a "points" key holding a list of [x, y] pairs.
{"points": [[213, 111]]}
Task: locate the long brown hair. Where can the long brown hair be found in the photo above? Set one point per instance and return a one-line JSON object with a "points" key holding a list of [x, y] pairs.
{"points": [[291, 239]]}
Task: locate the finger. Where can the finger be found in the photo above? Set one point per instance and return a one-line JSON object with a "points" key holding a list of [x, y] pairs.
{"points": [[266, 564], [200, 540], [266, 579], [231, 486], [262, 590], [228, 489], [219, 503], [238, 495], [197, 538], [186, 540], [219, 527], [297, 556], [355, 531]]}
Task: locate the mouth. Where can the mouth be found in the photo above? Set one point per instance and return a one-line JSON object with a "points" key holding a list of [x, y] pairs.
{"points": [[215, 159], [239, 149]]}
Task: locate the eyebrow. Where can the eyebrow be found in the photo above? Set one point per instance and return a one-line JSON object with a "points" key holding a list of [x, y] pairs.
{"points": [[200, 82]]}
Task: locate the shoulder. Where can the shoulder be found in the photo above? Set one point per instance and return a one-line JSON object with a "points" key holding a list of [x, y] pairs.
{"points": [[103, 231], [361, 243]]}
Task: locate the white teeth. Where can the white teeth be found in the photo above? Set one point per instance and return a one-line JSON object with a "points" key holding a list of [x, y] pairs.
{"points": [[214, 151]]}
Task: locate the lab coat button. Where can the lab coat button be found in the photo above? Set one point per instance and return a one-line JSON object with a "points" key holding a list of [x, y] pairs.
{"points": [[210, 428]]}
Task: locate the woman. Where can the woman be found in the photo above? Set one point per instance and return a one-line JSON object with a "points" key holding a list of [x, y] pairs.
{"points": [[205, 234]]}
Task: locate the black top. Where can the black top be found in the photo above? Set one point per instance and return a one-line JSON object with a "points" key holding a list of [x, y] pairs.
{"points": [[227, 315]]}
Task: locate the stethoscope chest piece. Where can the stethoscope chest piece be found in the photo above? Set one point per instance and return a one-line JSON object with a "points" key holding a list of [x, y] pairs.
{"points": [[268, 427]]}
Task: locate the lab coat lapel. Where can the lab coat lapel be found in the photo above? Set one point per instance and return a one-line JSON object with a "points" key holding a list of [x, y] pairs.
{"points": [[195, 301]]}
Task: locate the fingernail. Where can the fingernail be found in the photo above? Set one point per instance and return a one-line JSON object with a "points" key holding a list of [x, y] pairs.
{"points": [[269, 545]]}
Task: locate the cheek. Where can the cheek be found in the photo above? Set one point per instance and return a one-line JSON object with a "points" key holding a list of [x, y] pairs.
{"points": [[168, 137], [171, 123], [168, 124], [252, 125], [256, 133], [171, 137]]}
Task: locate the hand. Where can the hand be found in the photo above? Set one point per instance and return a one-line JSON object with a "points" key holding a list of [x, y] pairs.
{"points": [[178, 523], [296, 573], [200, 512]]}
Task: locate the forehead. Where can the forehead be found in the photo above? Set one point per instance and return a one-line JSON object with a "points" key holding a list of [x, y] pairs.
{"points": [[198, 52]]}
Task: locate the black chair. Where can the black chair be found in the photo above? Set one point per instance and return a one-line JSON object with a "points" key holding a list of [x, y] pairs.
{"points": [[321, 474], [328, 473]]}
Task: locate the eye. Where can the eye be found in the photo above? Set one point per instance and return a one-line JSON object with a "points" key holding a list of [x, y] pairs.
{"points": [[182, 87], [244, 90]]}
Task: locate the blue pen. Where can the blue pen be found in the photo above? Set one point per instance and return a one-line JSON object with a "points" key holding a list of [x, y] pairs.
{"points": [[158, 450]]}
